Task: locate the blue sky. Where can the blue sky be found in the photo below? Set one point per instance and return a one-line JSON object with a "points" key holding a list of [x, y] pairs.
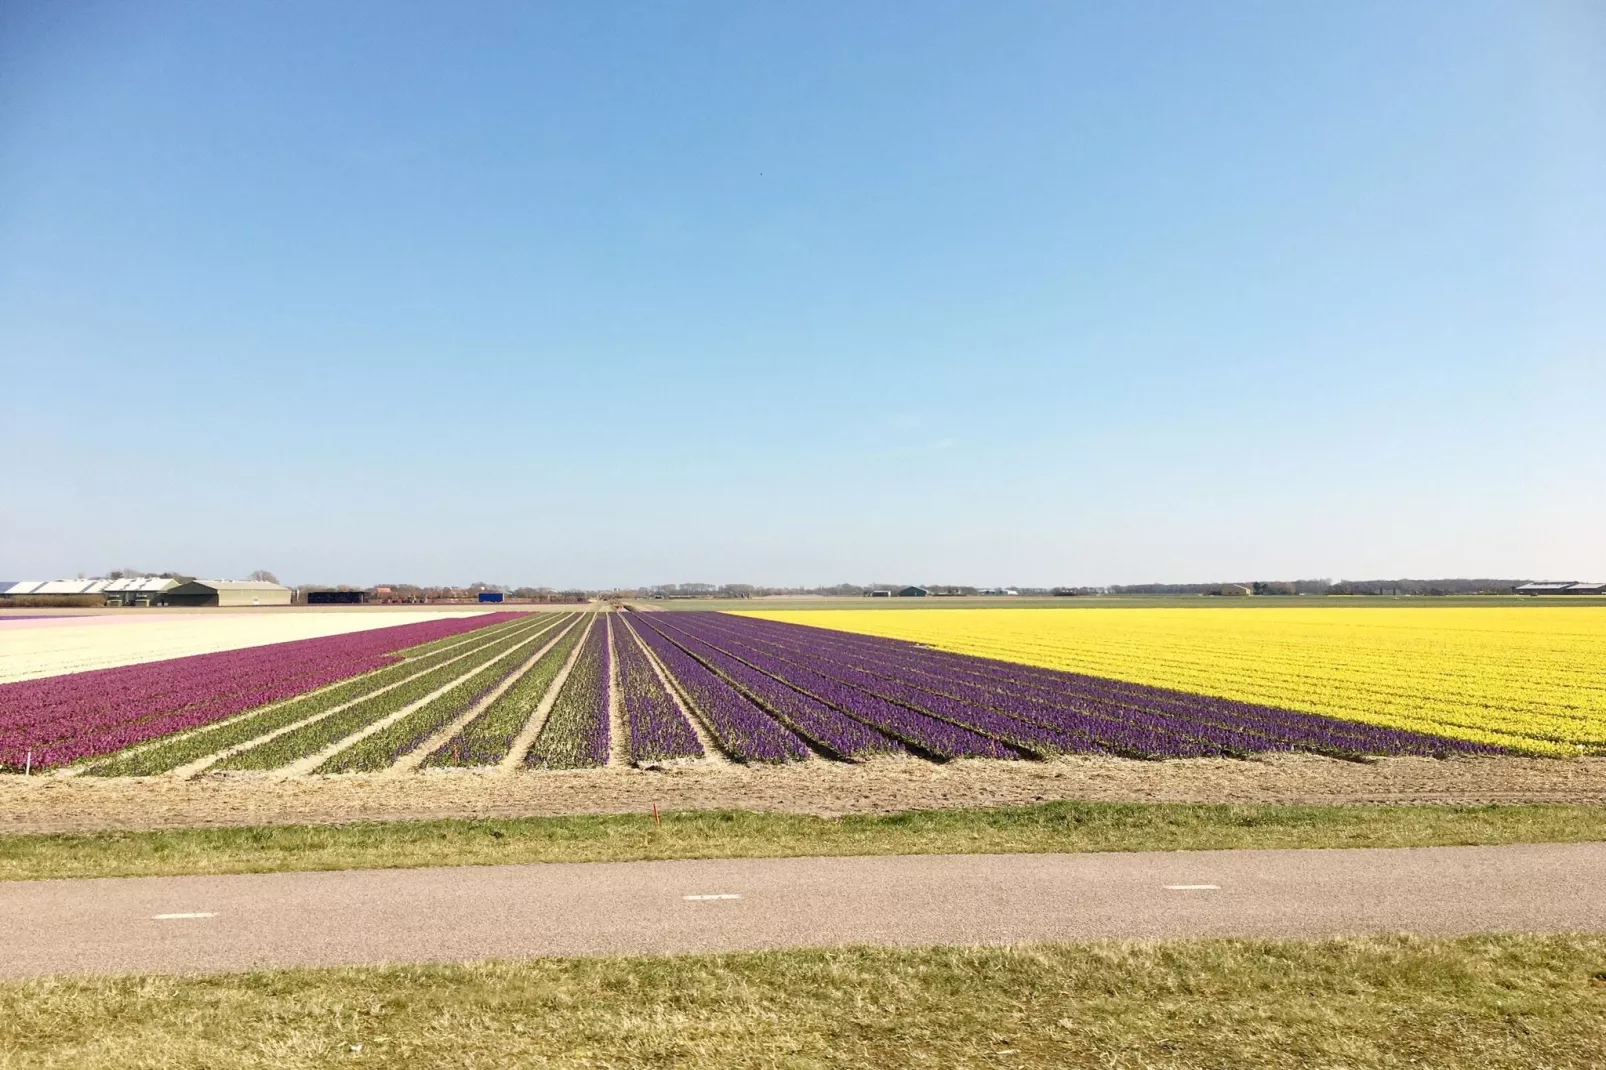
{"points": [[952, 292]]}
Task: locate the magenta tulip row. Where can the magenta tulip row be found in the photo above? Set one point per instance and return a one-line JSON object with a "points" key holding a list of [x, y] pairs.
{"points": [[60, 719]]}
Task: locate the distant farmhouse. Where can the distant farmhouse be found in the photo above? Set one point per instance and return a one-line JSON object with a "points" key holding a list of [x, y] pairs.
{"points": [[229, 593], [145, 591], [54, 589], [138, 590], [913, 592], [1563, 587], [126, 591]]}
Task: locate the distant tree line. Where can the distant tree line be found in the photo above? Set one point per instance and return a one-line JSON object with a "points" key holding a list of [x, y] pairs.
{"points": [[1246, 587], [407, 593], [414, 593], [837, 590], [1309, 587]]}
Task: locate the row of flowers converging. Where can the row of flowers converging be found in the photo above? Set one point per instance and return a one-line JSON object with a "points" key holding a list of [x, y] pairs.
{"points": [[765, 687], [760, 691], [60, 719]]}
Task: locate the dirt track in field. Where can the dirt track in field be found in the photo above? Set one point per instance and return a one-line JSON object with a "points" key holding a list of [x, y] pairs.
{"points": [[50, 804]]}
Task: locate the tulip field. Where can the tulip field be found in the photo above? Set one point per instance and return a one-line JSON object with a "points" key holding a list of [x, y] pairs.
{"points": [[544, 692], [59, 719], [1530, 678]]}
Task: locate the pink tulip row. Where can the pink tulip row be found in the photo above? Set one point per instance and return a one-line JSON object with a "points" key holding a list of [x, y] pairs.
{"points": [[61, 719]]}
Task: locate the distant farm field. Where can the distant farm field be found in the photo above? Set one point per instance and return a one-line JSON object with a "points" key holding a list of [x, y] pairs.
{"points": [[1526, 677], [33, 647]]}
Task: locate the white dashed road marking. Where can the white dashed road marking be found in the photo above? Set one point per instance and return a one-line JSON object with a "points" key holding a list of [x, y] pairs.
{"points": [[718, 895]]}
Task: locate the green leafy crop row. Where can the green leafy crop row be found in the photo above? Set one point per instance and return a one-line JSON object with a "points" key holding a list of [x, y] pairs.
{"points": [[173, 753], [309, 739], [391, 742], [487, 738]]}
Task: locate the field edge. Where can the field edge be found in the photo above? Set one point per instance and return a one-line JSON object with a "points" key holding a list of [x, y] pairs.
{"points": [[1054, 827]]}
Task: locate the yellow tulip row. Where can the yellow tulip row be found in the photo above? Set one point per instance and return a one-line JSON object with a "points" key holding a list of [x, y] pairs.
{"points": [[1532, 678]]}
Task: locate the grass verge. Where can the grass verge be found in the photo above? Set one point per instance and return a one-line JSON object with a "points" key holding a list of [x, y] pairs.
{"points": [[1484, 1002], [1042, 827]]}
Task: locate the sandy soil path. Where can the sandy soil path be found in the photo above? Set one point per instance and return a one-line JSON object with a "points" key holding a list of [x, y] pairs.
{"points": [[48, 804], [618, 740]]}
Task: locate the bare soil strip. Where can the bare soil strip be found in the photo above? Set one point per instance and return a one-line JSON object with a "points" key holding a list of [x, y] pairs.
{"points": [[43, 648], [712, 751], [618, 742], [48, 804], [410, 761], [526, 738], [303, 766]]}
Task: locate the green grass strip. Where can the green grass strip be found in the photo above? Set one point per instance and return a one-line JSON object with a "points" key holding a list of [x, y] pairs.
{"points": [[486, 739], [1496, 1002], [1040, 827], [309, 739], [382, 748]]}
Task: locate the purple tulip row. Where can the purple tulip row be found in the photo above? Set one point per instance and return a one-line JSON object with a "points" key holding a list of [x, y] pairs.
{"points": [[658, 730], [1079, 712], [1039, 730], [870, 714], [980, 728], [745, 732], [61, 719], [828, 727]]}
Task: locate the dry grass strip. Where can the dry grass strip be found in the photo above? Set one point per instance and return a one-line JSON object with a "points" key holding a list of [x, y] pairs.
{"points": [[1376, 1003]]}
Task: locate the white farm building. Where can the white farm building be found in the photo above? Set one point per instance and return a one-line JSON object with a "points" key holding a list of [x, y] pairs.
{"points": [[228, 593], [138, 590], [147, 591]]}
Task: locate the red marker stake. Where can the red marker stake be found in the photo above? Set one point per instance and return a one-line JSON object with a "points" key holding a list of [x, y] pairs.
{"points": [[655, 821]]}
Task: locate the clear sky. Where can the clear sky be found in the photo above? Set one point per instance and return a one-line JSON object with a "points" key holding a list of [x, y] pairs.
{"points": [[611, 294]]}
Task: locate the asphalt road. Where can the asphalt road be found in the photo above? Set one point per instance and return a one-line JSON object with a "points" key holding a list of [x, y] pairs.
{"points": [[184, 924]]}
